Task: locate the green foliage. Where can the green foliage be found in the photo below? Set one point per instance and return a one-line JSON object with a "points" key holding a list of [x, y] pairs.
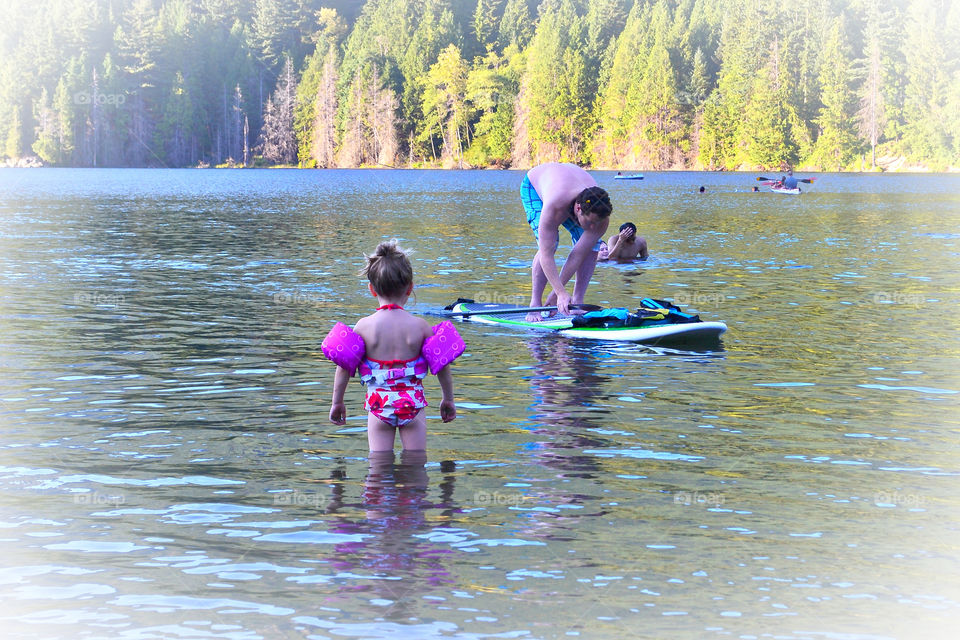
{"points": [[557, 101], [837, 145], [718, 84]]}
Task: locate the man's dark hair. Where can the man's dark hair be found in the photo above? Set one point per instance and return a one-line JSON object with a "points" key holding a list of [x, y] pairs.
{"points": [[629, 225], [595, 200]]}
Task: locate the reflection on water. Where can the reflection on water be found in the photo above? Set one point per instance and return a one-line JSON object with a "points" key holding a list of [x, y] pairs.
{"points": [[399, 563], [168, 470]]}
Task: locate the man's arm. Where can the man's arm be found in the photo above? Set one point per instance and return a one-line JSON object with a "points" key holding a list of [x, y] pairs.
{"points": [[549, 238], [616, 246], [581, 250]]}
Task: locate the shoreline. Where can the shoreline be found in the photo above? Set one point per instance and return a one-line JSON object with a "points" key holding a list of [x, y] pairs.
{"points": [[897, 167]]}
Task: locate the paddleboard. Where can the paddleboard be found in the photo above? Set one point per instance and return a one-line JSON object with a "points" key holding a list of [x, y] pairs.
{"points": [[563, 324]]}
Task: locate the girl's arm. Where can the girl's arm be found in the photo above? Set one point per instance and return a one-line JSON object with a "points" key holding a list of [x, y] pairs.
{"points": [[338, 411], [448, 410]]}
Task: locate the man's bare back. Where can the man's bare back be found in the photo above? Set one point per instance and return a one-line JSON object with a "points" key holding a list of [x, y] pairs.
{"points": [[560, 194]]}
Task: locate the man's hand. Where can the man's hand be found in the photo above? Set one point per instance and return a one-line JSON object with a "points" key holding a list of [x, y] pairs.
{"points": [[338, 413], [563, 302]]}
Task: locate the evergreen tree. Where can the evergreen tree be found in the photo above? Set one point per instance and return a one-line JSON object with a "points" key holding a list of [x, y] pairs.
{"points": [[138, 44], [314, 92], [278, 142], [13, 147], [47, 143], [445, 105], [767, 121], [491, 91], [871, 117], [656, 83], [370, 128], [743, 36], [516, 24], [323, 141], [485, 21], [837, 144], [928, 69], [555, 79]]}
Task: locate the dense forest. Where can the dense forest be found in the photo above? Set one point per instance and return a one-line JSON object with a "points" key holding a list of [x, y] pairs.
{"points": [[647, 84]]}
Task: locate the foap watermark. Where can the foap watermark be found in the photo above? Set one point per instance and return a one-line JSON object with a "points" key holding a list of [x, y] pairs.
{"points": [[698, 300], [899, 297], [297, 298], [98, 299], [99, 99], [707, 498], [498, 498], [99, 499], [898, 499], [297, 498], [492, 297]]}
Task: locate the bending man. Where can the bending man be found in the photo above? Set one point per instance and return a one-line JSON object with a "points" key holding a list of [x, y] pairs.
{"points": [[560, 194]]}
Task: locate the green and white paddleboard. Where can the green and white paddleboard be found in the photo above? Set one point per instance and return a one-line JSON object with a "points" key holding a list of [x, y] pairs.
{"points": [[657, 333]]}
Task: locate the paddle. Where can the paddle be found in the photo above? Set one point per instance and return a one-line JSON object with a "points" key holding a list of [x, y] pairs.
{"points": [[807, 180], [490, 312]]}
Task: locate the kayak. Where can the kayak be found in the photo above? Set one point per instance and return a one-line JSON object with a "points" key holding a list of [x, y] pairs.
{"points": [[633, 176], [795, 191], [499, 314]]}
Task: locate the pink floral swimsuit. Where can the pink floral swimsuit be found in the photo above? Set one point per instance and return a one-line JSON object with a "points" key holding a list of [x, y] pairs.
{"points": [[394, 388]]}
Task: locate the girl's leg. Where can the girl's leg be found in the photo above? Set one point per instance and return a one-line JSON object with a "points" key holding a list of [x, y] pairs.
{"points": [[413, 435], [380, 435]]}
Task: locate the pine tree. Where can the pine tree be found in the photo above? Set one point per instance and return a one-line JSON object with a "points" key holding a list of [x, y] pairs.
{"points": [[445, 105], [767, 120], [874, 70], [485, 17], [47, 144], [491, 92], [137, 42], [323, 144], [516, 24], [555, 79], [319, 68], [837, 144], [926, 120], [13, 147], [278, 142]]}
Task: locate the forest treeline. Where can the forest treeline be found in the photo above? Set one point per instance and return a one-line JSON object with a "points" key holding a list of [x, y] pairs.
{"points": [[645, 84]]}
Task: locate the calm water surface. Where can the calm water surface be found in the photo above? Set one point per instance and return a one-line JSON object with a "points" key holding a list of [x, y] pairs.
{"points": [[168, 471]]}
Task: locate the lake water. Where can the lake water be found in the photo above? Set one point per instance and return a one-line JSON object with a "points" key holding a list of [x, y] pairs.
{"points": [[167, 469]]}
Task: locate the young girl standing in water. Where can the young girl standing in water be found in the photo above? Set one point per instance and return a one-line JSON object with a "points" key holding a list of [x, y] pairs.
{"points": [[393, 350]]}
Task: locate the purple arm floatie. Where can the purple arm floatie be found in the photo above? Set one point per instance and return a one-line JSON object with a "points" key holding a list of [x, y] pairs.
{"points": [[344, 347], [443, 347]]}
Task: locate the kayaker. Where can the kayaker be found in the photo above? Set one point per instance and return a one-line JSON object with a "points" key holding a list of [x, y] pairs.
{"points": [[789, 182], [561, 194]]}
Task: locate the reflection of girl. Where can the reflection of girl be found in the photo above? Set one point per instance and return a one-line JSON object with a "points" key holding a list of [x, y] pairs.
{"points": [[395, 505]]}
